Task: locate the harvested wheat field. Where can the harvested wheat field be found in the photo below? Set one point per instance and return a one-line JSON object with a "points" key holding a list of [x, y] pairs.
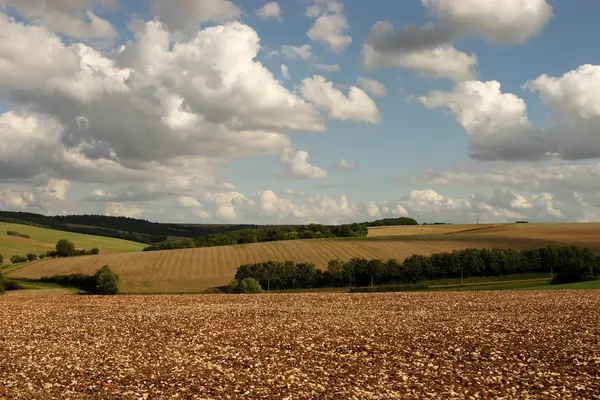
{"points": [[194, 270], [302, 346], [410, 230]]}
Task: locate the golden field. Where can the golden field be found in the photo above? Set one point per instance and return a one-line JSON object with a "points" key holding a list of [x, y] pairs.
{"points": [[484, 345], [195, 270]]}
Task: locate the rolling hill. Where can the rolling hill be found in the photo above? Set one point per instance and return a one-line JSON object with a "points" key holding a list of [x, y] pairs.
{"points": [[43, 239], [194, 270]]}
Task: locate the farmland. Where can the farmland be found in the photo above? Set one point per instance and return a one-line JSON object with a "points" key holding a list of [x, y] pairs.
{"points": [[195, 270], [339, 346], [43, 239]]}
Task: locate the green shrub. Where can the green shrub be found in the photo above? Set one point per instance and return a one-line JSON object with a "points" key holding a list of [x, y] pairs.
{"points": [[106, 281], [94, 251], [575, 270], [11, 285], [1, 259], [246, 285], [18, 259], [31, 256], [42, 256], [64, 248], [1, 283]]}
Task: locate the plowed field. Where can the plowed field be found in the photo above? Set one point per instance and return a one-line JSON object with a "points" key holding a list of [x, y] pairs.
{"points": [[511, 345]]}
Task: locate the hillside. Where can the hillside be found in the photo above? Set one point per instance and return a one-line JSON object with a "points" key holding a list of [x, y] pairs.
{"points": [[193, 270], [43, 239]]}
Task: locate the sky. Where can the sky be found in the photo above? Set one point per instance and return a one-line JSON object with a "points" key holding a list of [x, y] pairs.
{"points": [[298, 111]]}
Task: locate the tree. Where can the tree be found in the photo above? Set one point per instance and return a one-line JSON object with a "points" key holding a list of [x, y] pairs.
{"points": [[42, 256], [1, 259], [31, 256], [64, 248], [16, 259], [1, 283], [106, 281], [250, 285], [95, 251], [574, 271]]}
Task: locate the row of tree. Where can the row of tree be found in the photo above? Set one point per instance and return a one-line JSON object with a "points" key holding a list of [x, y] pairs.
{"points": [[63, 248], [393, 222], [104, 281], [17, 234], [570, 264], [244, 236]]}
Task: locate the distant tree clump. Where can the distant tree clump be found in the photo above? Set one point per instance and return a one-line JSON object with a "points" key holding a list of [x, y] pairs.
{"points": [[1, 283], [42, 256], [576, 270], [246, 285], [16, 259], [64, 248], [393, 222], [106, 281], [1, 259], [31, 256], [17, 234]]}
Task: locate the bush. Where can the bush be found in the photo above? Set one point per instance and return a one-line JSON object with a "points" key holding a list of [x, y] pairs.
{"points": [[247, 285], [42, 256], [64, 248], [1, 259], [11, 285], [1, 283], [575, 270], [106, 281], [18, 259], [17, 234], [31, 256], [95, 251]]}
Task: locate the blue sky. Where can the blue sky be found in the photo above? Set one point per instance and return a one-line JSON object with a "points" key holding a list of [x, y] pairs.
{"points": [[180, 111]]}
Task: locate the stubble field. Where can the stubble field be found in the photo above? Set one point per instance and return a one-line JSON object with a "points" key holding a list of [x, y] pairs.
{"points": [[299, 346], [195, 270]]}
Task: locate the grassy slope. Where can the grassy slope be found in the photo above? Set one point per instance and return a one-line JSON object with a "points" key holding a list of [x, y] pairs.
{"points": [[43, 239]]}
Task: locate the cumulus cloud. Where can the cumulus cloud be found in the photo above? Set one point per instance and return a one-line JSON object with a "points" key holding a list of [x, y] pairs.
{"points": [[421, 48], [344, 164], [330, 24], [122, 210], [55, 189], [285, 73], [185, 15], [327, 67], [372, 86], [71, 18], [356, 106], [298, 166], [303, 52], [271, 10], [443, 61], [499, 128], [184, 108], [14, 200]]}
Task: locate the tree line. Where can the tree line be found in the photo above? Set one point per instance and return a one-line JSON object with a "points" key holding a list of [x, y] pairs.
{"points": [[63, 248], [392, 222], [244, 236], [566, 264]]}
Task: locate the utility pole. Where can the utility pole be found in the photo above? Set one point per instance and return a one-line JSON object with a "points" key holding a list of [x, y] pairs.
{"points": [[477, 219]]}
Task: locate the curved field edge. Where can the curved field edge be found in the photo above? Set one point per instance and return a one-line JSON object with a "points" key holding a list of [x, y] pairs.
{"points": [[43, 239], [195, 270]]}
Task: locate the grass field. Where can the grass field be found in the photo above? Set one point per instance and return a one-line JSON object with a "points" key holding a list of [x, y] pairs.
{"points": [[479, 345], [195, 270], [43, 239], [409, 230]]}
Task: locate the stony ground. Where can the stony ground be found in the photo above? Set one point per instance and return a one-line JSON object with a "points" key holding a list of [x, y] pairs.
{"points": [[328, 346]]}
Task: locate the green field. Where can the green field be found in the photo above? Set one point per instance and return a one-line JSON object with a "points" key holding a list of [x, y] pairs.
{"points": [[43, 239]]}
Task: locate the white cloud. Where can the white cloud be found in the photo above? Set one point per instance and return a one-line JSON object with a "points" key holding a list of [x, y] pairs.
{"points": [[327, 67], [373, 210], [303, 52], [184, 108], [330, 24], [357, 106], [71, 18], [498, 124], [298, 166], [15, 200], [344, 164], [55, 189], [121, 210], [186, 15], [188, 202], [372, 86], [443, 61], [285, 73], [270, 10]]}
